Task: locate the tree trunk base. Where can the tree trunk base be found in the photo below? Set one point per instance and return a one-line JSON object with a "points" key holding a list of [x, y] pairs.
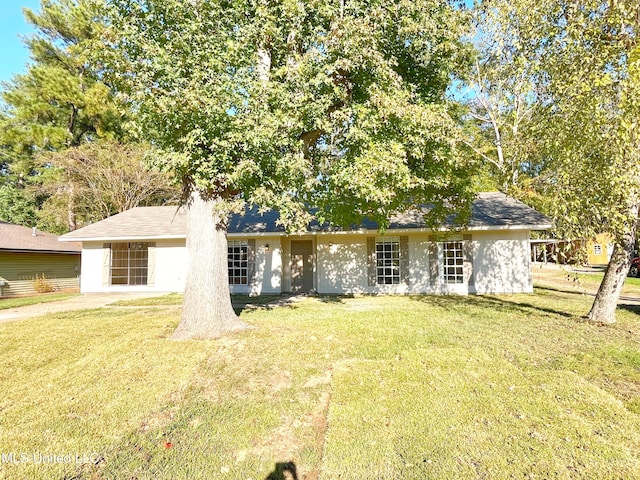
{"points": [[596, 321], [206, 308], [603, 310], [214, 331]]}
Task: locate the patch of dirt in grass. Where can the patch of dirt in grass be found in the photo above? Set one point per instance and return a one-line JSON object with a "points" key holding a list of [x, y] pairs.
{"points": [[629, 393], [317, 380], [286, 441], [156, 421], [281, 442], [280, 380], [319, 417]]}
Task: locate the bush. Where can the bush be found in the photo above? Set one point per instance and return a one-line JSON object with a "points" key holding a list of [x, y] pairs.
{"points": [[42, 285]]}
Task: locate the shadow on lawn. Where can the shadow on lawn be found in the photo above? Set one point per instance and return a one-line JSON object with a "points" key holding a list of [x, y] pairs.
{"points": [[625, 302], [337, 298], [263, 302], [487, 301], [283, 471], [630, 307], [269, 302]]}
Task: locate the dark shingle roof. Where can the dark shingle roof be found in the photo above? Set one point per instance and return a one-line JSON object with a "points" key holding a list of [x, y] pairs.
{"points": [[490, 211], [497, 209], [16, 238]]}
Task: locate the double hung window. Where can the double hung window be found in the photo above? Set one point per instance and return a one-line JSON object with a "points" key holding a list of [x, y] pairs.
{"points": [[129, 263], [388, 260], [452, 261], [238, 262]]}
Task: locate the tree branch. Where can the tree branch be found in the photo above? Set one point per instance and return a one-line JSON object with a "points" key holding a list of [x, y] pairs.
{"points": [[483, 155]]}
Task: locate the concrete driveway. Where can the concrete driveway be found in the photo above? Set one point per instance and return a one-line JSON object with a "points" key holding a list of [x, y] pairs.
{"points": [[81, 302]]}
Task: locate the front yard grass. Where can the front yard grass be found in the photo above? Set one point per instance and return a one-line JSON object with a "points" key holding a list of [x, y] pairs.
{"points": [[353, 388], [15, 302]]}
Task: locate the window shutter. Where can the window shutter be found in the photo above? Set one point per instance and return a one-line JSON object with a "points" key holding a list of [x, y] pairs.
{"points": [[404, 260], [433, 261], [371, 261], [151, 264], [106, 264], [251, 261], [467, 249]]}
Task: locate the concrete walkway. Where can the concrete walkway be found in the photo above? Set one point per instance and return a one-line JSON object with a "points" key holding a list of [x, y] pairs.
{"points": [[81, 302]]}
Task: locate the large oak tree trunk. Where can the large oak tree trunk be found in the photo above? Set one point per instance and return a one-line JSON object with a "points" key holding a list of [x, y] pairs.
{"points": [[604, 306], [206, 308]]}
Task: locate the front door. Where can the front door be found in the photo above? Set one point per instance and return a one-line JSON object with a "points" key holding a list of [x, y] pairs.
{"points": [[301, 265]]}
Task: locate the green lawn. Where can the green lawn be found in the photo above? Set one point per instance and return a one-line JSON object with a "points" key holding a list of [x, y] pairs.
{"points": [[176, 299], [13, 302], [595, 279], [580, 279], [363, 388]]}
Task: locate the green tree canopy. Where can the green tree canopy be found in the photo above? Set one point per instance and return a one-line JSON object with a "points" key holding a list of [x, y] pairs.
{"points": [[334, 105], [60, 102], [16, 207], [54, 113], [580, 64], [501, 95]]}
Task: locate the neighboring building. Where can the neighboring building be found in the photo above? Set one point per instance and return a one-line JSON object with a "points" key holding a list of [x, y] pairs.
{"points": [[552, 250], [599, 249], [595, 252], [143, 249], [26, 253]]}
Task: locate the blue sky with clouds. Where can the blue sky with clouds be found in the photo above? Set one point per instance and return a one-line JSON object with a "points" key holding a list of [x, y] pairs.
{"points": [[13, 54]]}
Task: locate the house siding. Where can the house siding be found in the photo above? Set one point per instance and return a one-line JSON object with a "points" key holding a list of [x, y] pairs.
{"points": [[499, 261], [18, 270], [267, 277], [170, 268], [605, 241], [342, 264]]}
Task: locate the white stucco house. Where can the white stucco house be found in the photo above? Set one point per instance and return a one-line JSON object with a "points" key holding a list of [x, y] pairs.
{"points": [[144, 249]]}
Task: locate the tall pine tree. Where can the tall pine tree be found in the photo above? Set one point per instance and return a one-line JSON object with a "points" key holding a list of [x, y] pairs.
{"points": [[59, 106]]}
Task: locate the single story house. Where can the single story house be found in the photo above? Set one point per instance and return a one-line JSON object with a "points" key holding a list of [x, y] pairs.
{"points": [[27, 254], [144, 249]]}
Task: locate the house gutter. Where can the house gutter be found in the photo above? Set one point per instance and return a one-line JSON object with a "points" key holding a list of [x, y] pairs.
{"points": [[484, 228]]}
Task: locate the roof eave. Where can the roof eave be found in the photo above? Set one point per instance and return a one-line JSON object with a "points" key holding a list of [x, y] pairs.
{"points": [[121, 238], [480, 228], [540, 226], [361, 231], [26, 250]]}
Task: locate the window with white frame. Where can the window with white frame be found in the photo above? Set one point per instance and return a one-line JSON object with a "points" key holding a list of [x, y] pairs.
{"points": [[238, 262], [388, 260], [452, 261], [597, 249], [129, 263]]}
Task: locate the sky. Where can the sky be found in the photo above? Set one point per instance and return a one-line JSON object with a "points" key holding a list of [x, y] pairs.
{"points": [[13, 54]]}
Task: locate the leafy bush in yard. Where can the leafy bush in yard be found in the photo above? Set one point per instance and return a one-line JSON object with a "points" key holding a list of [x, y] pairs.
{"points": [[42, 285]]}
